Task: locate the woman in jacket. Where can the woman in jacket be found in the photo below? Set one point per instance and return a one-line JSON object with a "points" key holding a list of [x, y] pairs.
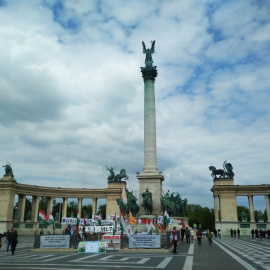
{"points": [[174, 239]]}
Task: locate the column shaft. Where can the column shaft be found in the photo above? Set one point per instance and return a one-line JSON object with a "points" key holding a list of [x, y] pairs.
{"points": [[251, 208], [49, 206], [64, 208], [216, 208], [21, 207], [94, 211], [267, 202], [35, 206], [80, 207]]}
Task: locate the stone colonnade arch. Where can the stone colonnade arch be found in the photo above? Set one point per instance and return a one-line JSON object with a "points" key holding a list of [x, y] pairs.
{"points": [[225, 193], [9, 188]]}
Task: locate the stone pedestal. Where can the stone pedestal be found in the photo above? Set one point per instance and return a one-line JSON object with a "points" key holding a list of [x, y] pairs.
{"points": [[154, 185], [7, 197], [114, 192]]}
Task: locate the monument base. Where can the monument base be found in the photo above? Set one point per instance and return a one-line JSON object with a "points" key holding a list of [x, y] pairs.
{"points": [[9, 178], [154, 185]]}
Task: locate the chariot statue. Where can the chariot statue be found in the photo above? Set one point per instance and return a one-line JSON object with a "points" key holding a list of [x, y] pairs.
{"points": [[226, 172], [118, 177]]}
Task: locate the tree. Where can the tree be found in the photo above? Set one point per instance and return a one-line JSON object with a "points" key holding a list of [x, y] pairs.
{"points": [[102, 209], [200, 216], [88, 211], [72, 209]]}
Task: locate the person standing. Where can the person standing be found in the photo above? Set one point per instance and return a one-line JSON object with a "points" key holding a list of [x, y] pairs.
{"points": [[209, 237], [174, 239], [231, 232], [199, 236], [9, 240], [238, 233], [252, 233], [14, 242], [191, 236], [219, 233], [188, 235], [182, 234], [1, 235]]}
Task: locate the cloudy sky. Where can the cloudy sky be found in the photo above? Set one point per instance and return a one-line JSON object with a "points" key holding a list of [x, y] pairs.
{"points": [[72, 92]]}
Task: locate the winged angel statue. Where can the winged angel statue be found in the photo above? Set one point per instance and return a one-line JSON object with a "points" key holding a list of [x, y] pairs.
{"points": [[149, 52]]}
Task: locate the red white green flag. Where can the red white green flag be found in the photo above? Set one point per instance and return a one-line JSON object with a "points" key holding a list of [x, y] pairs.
{"points": [[99, 219], [115, 223], [51, 219], [122, 221], [42, 217], [77, 224], [166, 218]]}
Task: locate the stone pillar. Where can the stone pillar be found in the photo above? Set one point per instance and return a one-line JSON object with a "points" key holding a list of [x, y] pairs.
{"points": [[150, 177], [154, 185], [64, 208], [251, 208], [49, 206], [114, 192], [94, 206], [7, 198], [35, 209], [216, 208], [21, 207], [267, 202], [80, 207]]}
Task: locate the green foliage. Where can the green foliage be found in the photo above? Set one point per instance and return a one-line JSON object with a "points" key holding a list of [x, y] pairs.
{"points": [[200, 216], [88, 211], [102, 209], [72, 209], [43, 204]]}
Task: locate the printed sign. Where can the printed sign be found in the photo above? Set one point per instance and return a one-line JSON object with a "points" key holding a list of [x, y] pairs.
{"points": [[145, 241], [54, 241], [98, 229], [92, 247]]}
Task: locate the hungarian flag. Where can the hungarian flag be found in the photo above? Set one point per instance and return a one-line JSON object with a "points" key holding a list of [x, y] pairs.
{"points": [[115, 222], [183, 224], [84, 222], [42, 217], [143, 221], [77, 224], [131, 219], [166, 218], [99, 219], [122, 221], [52, 220]]}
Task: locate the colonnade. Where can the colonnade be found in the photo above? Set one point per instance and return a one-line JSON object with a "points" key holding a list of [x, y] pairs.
{"points": [[9, 188], [225, 206]]}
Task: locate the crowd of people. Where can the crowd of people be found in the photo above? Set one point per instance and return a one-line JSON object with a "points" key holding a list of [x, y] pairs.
{"points": [[11, 240], [260, 234]]}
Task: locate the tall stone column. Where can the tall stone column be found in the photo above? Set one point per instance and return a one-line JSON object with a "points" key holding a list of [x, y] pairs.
{"points": [[150, 178], [251, 208], [80, 207], [21, 207], [94, 206], [216, 208], [34, 212], [64, 208], [49, 206], [267, 202]]}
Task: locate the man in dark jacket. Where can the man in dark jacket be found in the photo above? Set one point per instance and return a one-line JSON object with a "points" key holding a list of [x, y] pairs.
{"points": [[9, 240]]}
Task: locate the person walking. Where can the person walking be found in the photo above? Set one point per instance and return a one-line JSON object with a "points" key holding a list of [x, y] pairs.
{"points": [[174, 239], [219, 233], [252, 233], [182, 234], [188, 235], [199, 236], [14, 242], [9, 240], [209, 237], [191, 236], [238, 233]]}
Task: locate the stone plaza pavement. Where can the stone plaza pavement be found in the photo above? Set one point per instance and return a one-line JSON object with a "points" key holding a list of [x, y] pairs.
{"points": [[225, 253]]}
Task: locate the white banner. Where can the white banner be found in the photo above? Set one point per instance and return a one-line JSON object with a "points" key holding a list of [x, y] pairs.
{"points": [[73, 221], [54, 241], [145, 241], [98, 229], [92, 247]]}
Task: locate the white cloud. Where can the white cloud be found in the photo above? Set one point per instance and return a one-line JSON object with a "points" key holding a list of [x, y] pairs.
{"points": [[72, 92]]}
